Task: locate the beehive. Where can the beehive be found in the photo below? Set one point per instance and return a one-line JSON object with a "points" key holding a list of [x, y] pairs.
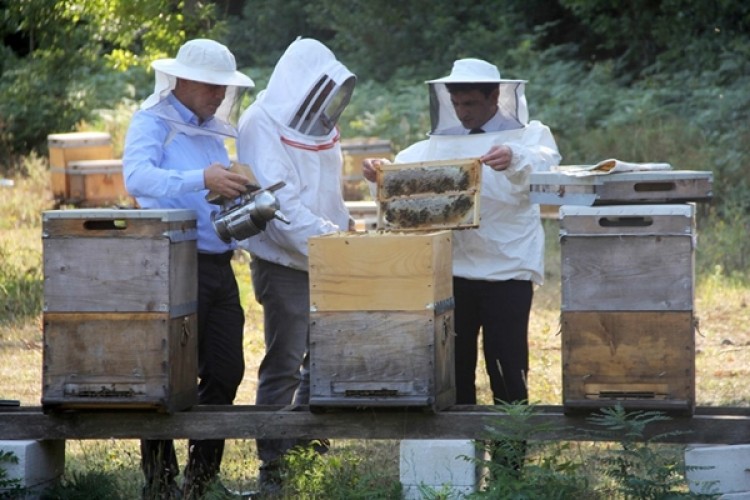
{"points": [[120, 304], [74, 146], [381, 326], [380, 271], [627, 258], [628, 334], [97, 183]]}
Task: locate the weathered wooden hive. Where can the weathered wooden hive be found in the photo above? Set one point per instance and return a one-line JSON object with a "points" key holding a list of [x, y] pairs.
{"points": [[120, 304]]}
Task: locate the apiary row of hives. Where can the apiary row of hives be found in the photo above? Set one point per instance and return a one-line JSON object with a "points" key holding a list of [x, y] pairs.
{"points": [[120, 293]]}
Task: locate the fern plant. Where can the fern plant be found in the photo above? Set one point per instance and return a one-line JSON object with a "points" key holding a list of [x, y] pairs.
{"points": [[638, 465]]}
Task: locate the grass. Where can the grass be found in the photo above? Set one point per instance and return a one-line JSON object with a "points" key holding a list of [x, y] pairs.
{"points": [[722, 355]]}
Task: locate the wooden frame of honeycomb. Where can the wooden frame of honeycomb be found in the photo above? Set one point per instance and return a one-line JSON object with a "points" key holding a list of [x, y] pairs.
{"points": [[429, 195]]}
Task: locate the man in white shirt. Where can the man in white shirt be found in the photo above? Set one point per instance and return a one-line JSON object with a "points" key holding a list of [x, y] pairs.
{"points": [[475, 113]]}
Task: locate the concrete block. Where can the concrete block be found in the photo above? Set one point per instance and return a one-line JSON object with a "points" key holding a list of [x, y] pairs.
{"points": [[40, 463], [445, 465], [723, 469], [745, 495]]}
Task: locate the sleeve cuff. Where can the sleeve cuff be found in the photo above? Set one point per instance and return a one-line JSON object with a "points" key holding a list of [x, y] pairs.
{"points": [[194, 180]]}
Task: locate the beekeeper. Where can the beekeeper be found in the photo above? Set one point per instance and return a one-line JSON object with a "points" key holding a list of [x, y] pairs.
{"points": [[475, 113], [289, 134], [174, 154]]}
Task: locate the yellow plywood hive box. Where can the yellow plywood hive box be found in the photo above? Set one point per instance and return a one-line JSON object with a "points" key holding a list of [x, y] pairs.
{"points": [[69, 147], [380, 271], [97, 183]]}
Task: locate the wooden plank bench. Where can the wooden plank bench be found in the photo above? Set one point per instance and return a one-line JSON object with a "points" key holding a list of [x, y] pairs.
{"points": [[709, 425]]}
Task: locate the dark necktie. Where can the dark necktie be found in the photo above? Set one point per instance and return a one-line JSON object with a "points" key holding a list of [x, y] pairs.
{"points": [[476, 131]]}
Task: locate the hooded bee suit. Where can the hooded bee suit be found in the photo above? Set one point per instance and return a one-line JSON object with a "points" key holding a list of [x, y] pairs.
{"points": [[508, 245], [288, 134]]}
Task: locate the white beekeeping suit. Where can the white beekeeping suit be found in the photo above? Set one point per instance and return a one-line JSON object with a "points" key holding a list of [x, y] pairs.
{"points": [[288, 134], [509, 243]]}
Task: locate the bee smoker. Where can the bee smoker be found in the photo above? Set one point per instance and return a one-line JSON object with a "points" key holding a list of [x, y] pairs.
{"points": [[247, 215]]}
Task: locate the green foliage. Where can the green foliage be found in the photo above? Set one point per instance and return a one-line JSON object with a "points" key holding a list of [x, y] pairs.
{"points": [[267, 27], [310, 475], [639, 468], [20, 288], [21, 276], [72, 57], [400, 115], [9, 487], [723, 247], [635, 467], [522, 466]]}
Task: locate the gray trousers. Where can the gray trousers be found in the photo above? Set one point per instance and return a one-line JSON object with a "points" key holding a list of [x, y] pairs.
{"points": [[284, 373]]}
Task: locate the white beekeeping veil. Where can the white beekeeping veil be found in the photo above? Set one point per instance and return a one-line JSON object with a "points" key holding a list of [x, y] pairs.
{"points": [[511, 100], [308, 90]]}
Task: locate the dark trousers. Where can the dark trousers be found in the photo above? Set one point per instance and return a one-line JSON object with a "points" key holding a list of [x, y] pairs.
{"points": [[501, 309], [221, 365], [284, 373]]}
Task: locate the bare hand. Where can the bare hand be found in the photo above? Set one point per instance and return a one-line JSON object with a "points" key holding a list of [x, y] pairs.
{"points": [[498, 157], [369, 167], [220, 180]]}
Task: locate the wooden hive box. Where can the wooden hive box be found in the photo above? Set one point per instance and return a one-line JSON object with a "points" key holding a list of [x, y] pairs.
{"points": [[380, 271], [627, 258], [627, 314], [640, 360], [381, 325], [74, 146], [429, 195], [120, 304], [97, 183], [356, 150]]}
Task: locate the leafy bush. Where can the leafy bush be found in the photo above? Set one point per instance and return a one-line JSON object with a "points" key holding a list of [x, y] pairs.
{"points": [[310, 475]]}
